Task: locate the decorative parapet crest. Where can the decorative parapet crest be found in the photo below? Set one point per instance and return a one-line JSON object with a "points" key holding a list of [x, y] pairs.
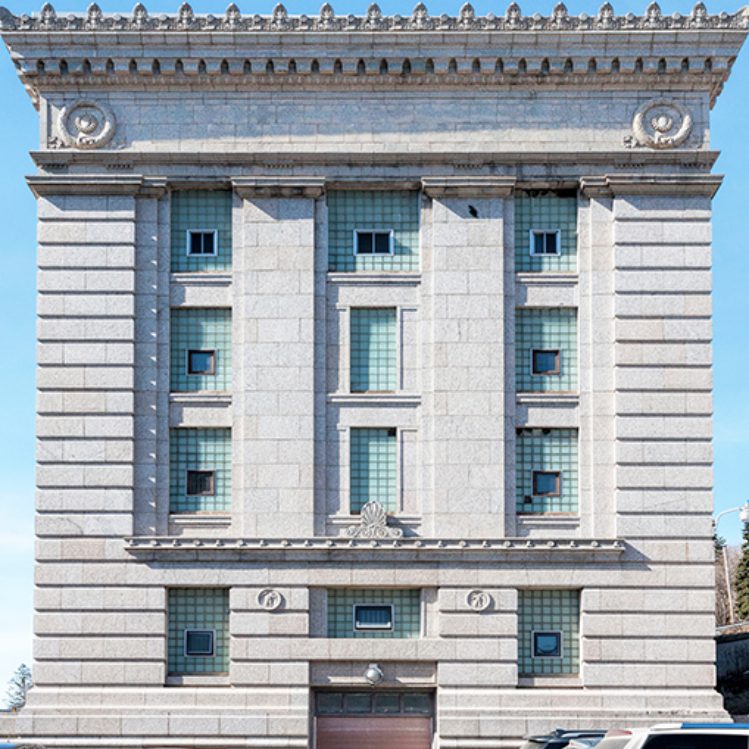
{"points": [[373, 523], [373, 20]]}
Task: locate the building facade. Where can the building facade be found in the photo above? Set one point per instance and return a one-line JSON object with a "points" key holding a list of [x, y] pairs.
{"points": [[374, 375]]}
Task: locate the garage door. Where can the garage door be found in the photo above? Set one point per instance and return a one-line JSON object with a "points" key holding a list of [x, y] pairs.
{"points": [[368, 720]]}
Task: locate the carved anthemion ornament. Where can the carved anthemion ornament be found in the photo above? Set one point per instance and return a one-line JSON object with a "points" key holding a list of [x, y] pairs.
{"points": [[85, 124], [467, 20], [661, 123], [373, 523]]}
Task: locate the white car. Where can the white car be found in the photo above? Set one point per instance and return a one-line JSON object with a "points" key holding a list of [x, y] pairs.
{"points": [[680, 736]]}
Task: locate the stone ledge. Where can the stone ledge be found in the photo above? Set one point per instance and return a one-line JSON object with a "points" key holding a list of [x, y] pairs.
{"points": [[548, 399], [369, 278], [613, 185], [375, 399]]}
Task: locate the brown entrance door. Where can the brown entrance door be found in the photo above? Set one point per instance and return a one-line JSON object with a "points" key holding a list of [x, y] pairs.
{"points": [[374, 732]]}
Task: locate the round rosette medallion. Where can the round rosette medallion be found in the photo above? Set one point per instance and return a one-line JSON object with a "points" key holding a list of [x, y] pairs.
{"points": [[662, 123], [86, 124]]}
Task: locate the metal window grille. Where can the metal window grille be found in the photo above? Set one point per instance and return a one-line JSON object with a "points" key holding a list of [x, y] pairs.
{"points": [[373, 210], [200, 330], [546, 450], [406, 612], [549, 611], [198, 609], [373, 349], [546, 329], [548, 213], [373, 469], [203, 211], [199, 450]]}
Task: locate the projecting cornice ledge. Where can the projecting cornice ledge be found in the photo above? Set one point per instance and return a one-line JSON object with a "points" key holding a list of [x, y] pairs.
{"points": [[650, 184], [468, 187], [293, 549], [43, 185], [279, 187]]}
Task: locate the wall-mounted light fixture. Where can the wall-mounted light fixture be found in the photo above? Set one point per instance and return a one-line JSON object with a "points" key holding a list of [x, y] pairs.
{"points": [[373, 674]]}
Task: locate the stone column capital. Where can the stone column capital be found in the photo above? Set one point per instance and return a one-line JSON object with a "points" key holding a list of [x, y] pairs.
{"points": [[279, 187], [468, 187], [606, 186]]}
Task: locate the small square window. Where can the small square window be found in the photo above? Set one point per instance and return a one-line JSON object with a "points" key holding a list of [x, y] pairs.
{"points": [[547, 483], [546, 644], [199, 642], [545, 242], [373, 617], [201, 483], [368, 242], [200, 242], [546, 361], [201, 362]]}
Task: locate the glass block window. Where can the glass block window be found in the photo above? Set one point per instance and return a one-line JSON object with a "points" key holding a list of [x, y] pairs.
{"points": [[199, 470], [540, 336], [201, 230], [546, 473], [548, 632], [538, 218], [198, 624], [343, 605], [373, 350], [378, 703], [195, 335], [373, 212], [373, 469]]}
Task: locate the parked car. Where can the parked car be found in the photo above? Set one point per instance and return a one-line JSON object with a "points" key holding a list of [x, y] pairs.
{"points": [[560, 738], [680, 736]]}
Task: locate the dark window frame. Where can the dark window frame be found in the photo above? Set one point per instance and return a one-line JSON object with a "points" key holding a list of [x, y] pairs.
{"points": [[556, 632], [191, 630], [189, 233], [536, 232], [373, 233], [547, 372], [558, 489], [188, 364], [372, 627], [202, 472]]}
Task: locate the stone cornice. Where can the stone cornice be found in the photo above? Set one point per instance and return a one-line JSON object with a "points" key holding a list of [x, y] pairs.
{"points": [[650, 184], [232, 21], [124, 160], [182, 547], [468, 187], [99, 50]]}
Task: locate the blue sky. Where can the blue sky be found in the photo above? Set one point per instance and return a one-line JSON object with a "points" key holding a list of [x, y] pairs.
{"points": [[19, 134]]}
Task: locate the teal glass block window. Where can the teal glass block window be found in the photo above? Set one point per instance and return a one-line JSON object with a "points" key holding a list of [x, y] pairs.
{"points": [[201, 232], [373, 350], [548, 632], [373, 469], [546, 470], [356, 217], [546, 350], [198, 631], [200, 342], [199, 470], [538, 218], [346, 605]]}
